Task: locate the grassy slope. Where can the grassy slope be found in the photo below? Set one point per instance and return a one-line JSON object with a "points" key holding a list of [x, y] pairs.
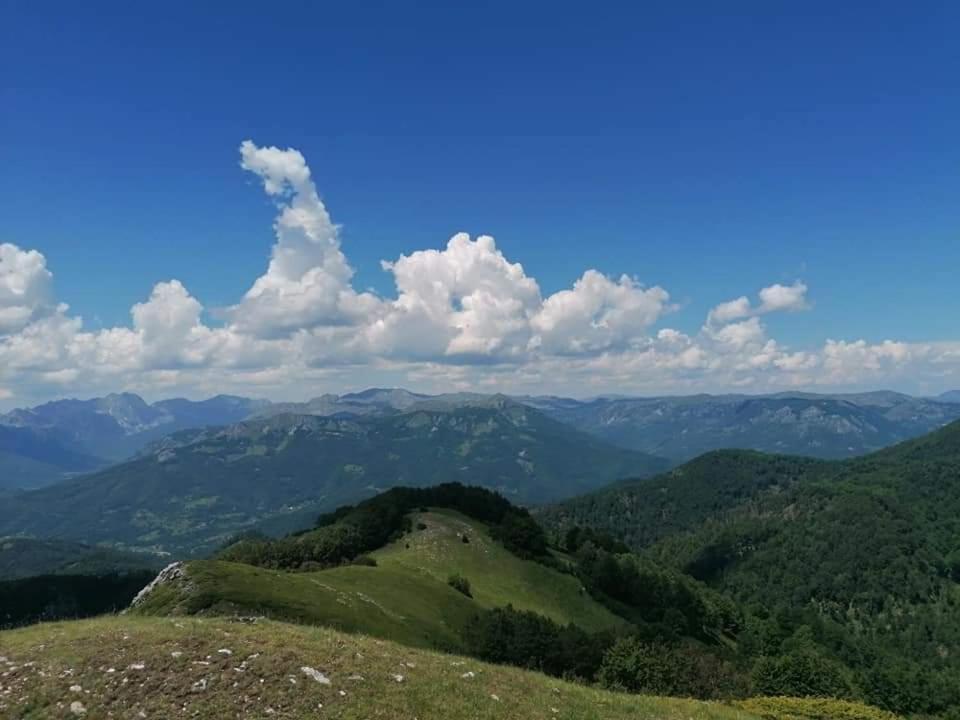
{"points": [[376, 601], [164, 668], [497, 577], [405, 598]]}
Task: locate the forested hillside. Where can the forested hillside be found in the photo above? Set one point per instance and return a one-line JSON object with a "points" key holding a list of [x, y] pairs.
{"points": [[854, 561]]}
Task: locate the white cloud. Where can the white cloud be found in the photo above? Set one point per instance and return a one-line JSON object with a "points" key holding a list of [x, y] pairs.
{"points": [[307, 283], [597, 314], [463, 317], [775, 298], [26, 288], [467, 300], [783, 298], [730, 310]]}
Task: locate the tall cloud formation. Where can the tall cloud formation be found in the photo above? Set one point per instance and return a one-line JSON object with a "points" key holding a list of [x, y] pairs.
{"points": [[463, 316], [25, 288]]}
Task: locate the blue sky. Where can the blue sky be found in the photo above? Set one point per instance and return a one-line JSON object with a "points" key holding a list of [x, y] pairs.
{"points": [[710, 150]]}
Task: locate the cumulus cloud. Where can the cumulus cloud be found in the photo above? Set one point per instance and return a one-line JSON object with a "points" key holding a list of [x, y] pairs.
{"points": [[466, 300], [26, 288], [783, 298], [598, 313], [775, 298], [307, 282], [463, 316]]}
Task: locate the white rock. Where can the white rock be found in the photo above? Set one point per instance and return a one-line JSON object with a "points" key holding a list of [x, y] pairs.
{"points": [[199, 685], [77, 708], [138, 666], [315, 674], [469, 674], [225, 651], [76, 688], [398, 678], [172, 572]]}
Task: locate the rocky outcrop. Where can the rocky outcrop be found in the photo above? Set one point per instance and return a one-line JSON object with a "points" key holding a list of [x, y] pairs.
{"points": [[174, 572]]}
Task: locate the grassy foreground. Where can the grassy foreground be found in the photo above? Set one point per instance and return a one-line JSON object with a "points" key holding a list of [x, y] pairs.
{"points": [[139, 667]]}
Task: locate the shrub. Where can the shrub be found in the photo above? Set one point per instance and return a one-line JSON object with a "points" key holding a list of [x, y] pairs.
{"points": [[803, 673], [528, 640], [460, 584], [792, 708], [655, 667], [364, 560]]}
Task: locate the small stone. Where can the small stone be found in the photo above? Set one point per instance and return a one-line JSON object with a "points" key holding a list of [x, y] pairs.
{"points": [[137, 666], [176, 654], [495, 697], [398, 678], [77, 708], [469, 674], [199, 685], [315, 675], [76, 688], [225, 651]]}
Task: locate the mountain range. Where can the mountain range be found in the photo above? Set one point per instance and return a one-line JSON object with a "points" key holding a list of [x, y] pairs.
{"points": [[60, 439], [824, 426], [53, 441], [194, 489]]}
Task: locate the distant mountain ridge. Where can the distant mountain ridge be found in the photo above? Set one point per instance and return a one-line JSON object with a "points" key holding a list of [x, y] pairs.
{"points": [[196, 488], [47, 443], [824, 426], [59, 439]]}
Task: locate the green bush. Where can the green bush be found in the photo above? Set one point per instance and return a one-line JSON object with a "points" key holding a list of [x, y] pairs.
{"points": [[803, 673], [460, 584], [657, 668], [793, 708], [529, 640]]}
